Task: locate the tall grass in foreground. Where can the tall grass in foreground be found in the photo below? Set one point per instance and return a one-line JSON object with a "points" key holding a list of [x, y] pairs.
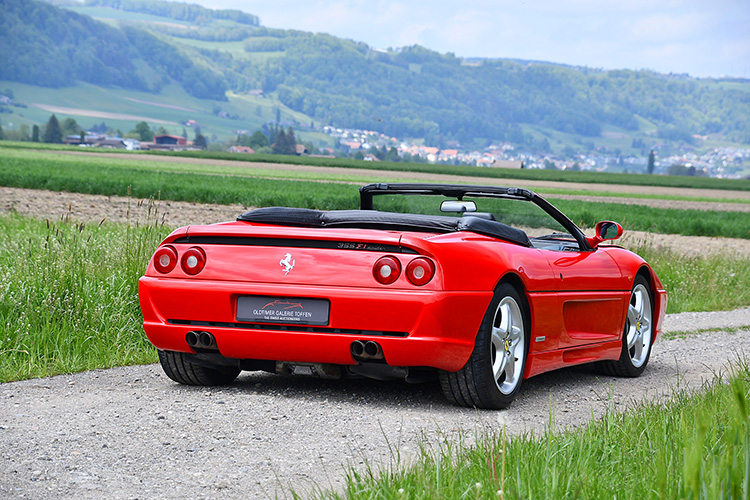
{"points": [[69, 296], [694, 446]]}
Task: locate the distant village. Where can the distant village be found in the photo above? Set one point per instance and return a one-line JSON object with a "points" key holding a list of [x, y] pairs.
{"points": [[726, 162]]}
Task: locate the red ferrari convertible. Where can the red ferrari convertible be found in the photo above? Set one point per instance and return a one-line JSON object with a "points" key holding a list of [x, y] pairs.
{"points": [[418, 283]]}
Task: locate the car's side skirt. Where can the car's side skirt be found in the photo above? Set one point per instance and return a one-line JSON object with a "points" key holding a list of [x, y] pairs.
{"points": [[540, 362]]}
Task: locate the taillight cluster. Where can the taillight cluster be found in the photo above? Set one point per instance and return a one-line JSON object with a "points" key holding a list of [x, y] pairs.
{"points": [[192, 262], [419, 271]]}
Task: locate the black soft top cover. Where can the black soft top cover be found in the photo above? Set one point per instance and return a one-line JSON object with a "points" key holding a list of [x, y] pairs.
{"points": [[389, 221]]}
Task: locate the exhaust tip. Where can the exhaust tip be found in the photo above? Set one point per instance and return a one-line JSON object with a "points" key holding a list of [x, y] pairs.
{"points": [[191, 338], [206, 339], [373, 350], [358, 348]]}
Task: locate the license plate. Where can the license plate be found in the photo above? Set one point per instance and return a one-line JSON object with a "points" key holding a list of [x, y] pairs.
{"points": [[253, 309]]}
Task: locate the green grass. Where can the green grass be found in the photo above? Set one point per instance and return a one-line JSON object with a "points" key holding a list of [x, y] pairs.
{"points": [[69, 296], [251, 111], [694, 446], [710, 283], [144, 179], [500, 173]]}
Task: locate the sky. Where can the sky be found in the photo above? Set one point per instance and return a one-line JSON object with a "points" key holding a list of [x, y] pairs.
{"points": [[703, 38]]}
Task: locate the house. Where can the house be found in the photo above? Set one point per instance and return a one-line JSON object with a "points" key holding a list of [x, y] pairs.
{"points": [[369, 157], [300, 149], [507, 164], [111, 143], [241, 149], [171, 140]]}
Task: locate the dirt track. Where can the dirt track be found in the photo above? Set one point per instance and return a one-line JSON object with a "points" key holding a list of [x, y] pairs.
{"points": [[93, 208]]}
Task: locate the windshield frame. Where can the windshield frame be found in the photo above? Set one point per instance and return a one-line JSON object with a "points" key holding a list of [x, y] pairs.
{"points": [[457, 191]]}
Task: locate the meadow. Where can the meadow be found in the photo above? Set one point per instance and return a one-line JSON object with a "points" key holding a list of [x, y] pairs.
{"points": [[68, 302], [145, 179]]}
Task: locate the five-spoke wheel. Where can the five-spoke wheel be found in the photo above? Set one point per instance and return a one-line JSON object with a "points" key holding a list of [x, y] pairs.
{"points": [[508, 345], [638, 335]]}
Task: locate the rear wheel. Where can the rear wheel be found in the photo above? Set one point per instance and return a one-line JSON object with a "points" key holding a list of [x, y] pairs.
{"points": [[179, 368], [638, 335], [493, 374]]}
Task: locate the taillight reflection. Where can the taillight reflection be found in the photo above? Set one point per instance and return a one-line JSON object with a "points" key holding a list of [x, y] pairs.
{"points": [[386, 270], [420, 271], [193, 260], [165, 259]]}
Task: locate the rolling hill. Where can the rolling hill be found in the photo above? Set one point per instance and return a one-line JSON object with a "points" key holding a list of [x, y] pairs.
{"points": [[233, 73]]}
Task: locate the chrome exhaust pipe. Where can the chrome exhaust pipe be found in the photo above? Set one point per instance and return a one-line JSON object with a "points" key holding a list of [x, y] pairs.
{"points": [[357, 348]]}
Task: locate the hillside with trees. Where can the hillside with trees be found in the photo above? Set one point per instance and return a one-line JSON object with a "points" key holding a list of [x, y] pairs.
{"points": [[53, 47], [404, 92]]}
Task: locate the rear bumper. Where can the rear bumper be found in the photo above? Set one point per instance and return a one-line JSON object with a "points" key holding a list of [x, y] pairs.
{"points": [[437, 328]]}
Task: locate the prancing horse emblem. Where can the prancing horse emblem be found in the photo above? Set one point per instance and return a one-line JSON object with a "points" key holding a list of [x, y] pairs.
{"points": [[287, 263]]}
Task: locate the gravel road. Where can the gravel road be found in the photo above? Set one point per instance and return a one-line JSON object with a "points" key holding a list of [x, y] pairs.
{"points": [[132, 433]]}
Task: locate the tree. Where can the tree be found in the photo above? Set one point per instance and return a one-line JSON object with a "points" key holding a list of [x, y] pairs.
{"points": [[279, 146], [52, 132], [1, 132], [651, 162], [144, 132], [69, 127], [291, 140], [258, 140], [200, 141], [35, 133]]}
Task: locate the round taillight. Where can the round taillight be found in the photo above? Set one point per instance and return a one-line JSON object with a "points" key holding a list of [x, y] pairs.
{"points": [[386, 270], [165, 259], [193, 260], [420, 271]]}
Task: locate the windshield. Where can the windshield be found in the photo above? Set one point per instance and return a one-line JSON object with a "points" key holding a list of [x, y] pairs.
{"points": [[517, 213]]}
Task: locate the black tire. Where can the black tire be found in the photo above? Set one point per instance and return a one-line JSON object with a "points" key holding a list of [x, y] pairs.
{"points": [[639, 328], [178, 367], [480, 383]]}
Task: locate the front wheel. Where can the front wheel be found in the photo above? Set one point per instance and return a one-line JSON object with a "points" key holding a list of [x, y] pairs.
{"points": [[179, 368], [638, 335], [493, 374]]}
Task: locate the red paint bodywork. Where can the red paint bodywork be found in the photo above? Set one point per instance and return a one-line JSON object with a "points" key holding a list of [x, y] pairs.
{"points": [[577, 301]]}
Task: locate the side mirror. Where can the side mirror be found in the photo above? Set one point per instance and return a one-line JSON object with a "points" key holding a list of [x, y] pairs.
{"points": [[458, 206], [605, 230]]}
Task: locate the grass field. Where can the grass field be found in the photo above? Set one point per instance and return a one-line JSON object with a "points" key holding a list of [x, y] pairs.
{"points": [[250, 112], [531, 174], [69, 296], [98, 175]]}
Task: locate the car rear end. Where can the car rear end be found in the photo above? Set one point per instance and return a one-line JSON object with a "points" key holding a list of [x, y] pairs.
{"points": [[244, 291]]}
